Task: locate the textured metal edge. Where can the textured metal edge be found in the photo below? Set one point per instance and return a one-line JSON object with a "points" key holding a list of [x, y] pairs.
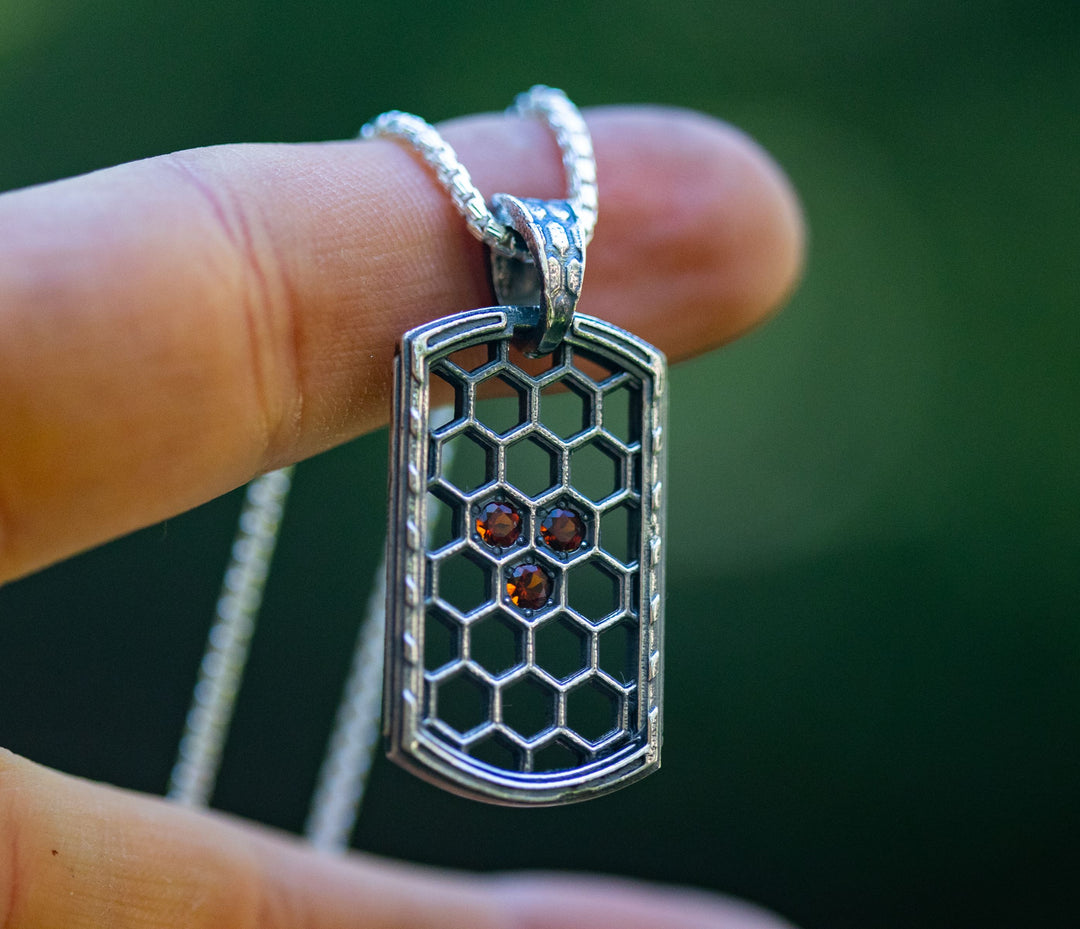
{"points": [[651, 362], [407, 744]]}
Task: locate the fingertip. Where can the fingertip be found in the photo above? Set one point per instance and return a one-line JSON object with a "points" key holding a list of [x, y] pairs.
{"points": [[700, 234], [764, 259], [696, 216]]}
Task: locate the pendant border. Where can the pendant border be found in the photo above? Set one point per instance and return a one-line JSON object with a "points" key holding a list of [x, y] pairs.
{"points": [[408, 744]]}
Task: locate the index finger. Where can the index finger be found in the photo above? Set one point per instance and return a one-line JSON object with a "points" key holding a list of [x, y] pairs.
{"points": [[175, 326]]}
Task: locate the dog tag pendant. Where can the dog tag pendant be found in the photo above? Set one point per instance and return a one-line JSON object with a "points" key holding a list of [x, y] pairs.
{"points": [[525, 590]]}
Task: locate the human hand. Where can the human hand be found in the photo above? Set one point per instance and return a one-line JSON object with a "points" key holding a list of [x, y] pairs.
{"points": [[174, 326]]}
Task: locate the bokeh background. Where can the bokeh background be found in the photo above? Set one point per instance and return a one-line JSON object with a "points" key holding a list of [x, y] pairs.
{"points": [[874, 635]]}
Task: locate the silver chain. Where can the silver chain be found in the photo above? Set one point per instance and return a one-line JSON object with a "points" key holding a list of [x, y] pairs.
{"points": [[575, 144], [222, 667], [350, 752]]}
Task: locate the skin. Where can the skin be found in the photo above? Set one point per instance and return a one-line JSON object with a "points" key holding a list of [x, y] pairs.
{"points": [[175, 326]]}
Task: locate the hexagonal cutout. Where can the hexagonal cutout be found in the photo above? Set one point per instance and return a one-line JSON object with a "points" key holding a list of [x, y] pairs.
{"points": [[528, 707], [462, 702], [556, 756], [562, 648], [534, 367], [447, 401], [620, 533], [502, 403], [621, 413], [617, 652], [532, 466], [468, 461], [592, 710], [496, 644], [593, 591], [596, 471], [566, 408], [441, 640], [498, 752], [442, 522], [473, 358], [463, 583], [595, 367]]}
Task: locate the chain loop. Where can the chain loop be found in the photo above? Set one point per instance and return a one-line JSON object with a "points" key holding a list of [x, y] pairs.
{"points": [[575, 145]]}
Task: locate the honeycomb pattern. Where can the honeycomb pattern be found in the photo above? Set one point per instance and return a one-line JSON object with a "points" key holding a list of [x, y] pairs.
{"points": [[530, 652]]}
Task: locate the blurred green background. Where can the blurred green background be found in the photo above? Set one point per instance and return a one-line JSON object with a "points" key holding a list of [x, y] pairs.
{"points": [[874, 634]]}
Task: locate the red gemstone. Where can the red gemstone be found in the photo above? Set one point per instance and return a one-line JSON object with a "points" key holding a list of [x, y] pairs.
{"points": [[498, 524], [563, 530], [528, 587]]}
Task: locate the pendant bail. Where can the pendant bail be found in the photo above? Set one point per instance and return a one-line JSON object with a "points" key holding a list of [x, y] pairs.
{"points": [[551, 232]]}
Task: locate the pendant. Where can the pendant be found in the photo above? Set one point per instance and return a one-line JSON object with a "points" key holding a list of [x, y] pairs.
{"points": [[525, 590]]}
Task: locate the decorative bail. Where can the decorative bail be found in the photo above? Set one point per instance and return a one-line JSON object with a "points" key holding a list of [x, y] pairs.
{"points": [[551, 232]]}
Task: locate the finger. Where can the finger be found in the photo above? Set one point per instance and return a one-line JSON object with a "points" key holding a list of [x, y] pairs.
{"points": [[174, 326], [543, 901], [77, 854]]}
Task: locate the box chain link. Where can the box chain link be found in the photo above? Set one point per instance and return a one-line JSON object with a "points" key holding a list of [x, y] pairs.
{"points": [[571, 134]]}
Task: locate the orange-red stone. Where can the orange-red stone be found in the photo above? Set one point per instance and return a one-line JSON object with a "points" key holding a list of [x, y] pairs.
{"points": [[499, 524], [528, 587], [563, 530]]}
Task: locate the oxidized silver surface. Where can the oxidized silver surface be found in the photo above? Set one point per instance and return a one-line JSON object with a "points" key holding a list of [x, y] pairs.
{"points": [[484, 697], [552, 279]]}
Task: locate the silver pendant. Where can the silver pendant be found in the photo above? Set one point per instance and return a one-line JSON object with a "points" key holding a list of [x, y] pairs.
{"points": [[525, 584]]}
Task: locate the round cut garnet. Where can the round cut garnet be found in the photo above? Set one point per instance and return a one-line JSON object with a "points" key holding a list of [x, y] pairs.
{"points": [[563, 530], [528, 586], [498, 524]]}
